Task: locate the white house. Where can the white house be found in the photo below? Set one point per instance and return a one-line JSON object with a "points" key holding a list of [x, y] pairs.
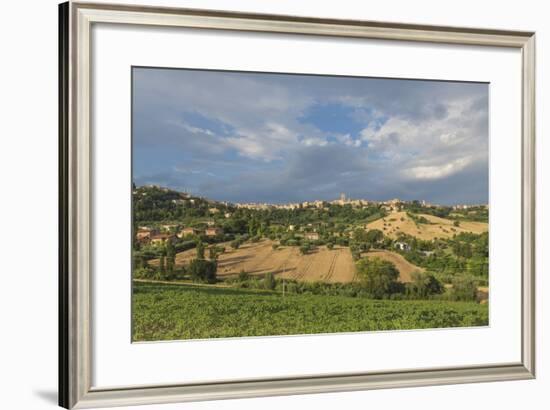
{"points": [[403, 246]]}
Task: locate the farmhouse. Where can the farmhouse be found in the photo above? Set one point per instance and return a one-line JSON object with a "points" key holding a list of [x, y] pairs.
{"points": [[403, 246], [161, 238], [168, 227], [312, 236], [188, 231], [143, 235], [213, 231]]}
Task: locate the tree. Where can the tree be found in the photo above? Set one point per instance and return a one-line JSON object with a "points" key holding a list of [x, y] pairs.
{"points": [[212, 254], [379, 277], [478, 266], [355, 251], [170, 258], [464, 288], [374, 235], [424, 285], [360, 235], [200, 250], [202, 270], [162, 265], [269, 281]]}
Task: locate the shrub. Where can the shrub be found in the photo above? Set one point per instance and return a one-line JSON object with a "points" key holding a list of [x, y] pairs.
{"points": [[143, 273], [243, 276], [235, 244], [202, 270], [355, 252], [464, 289], [330, 245], [424, 285], [305, 248]]}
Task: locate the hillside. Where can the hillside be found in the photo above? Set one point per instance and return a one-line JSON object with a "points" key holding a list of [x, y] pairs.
{"points": [[322, 264], [258, 258], [397, 222], [404, 267]]}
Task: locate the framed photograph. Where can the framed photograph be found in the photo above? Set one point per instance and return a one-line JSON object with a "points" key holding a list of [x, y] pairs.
{"points": [[257, 205]]}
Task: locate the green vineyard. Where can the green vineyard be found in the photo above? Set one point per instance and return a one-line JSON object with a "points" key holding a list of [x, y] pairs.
{"points": [[176, 312]]}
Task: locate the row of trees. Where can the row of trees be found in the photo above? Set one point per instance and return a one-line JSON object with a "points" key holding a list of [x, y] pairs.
{"points": [[380, 279]]}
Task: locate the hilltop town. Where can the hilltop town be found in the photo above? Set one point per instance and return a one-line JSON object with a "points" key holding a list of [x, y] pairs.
{"points": [[343, 199], [213, 212]]}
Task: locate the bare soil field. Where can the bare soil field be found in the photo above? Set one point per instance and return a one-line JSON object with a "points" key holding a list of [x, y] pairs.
{"points": [[397, 222], [404, 266], [322, 264], [258, 258]]}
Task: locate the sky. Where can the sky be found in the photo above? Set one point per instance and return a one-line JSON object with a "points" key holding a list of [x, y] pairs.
{"points": [[279, 138]]}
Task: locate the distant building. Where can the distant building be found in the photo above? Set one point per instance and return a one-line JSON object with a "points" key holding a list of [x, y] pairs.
{"points": [[403, 246], [227, 214], [291, 227], [168, 227], [143, 235], [312, 236], [213, 231], [161, 238], [210, 223], [213, 210], [188, 231]]}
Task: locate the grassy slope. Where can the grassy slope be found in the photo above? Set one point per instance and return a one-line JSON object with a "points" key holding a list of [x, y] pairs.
{"points": [[397, 222], [168, 312]]}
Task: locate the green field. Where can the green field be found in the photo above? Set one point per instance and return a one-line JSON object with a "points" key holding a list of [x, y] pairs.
{"points": [[172, 312]]}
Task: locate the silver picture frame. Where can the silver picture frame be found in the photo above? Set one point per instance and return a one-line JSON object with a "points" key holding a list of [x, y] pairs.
{"points": [[75, 333]]}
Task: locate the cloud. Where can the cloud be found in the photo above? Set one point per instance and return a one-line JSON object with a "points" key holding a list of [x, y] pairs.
{"points": [[269, 137], [438, 171]]}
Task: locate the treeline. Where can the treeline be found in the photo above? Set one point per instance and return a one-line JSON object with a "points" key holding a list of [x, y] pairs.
{"points": [[474, 213], [378, 280], [155, 204]]}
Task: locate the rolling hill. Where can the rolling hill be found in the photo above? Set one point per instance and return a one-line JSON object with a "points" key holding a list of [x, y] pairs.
{"points": [[435, 227]]}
